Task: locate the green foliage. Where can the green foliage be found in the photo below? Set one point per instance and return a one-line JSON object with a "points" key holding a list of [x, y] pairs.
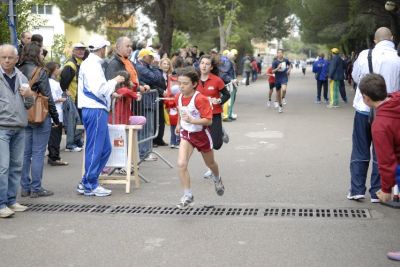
{"points": [[25, 20], [179, 40], [58, 48]]}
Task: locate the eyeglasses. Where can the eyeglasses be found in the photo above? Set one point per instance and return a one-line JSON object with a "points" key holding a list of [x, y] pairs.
{"points": [[10, 57]]}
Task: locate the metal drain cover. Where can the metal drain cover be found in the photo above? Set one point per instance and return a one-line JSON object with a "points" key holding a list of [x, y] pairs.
{"points": [[327, 213]]}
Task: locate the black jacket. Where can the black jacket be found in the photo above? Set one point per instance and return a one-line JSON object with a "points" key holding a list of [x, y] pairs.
{"points": [[114, 65], [42, 86]]}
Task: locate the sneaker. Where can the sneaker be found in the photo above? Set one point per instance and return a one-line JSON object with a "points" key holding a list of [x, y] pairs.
{"points": [[25, 193], [225, 136], [326, 101], [75, 149], [276, 105], [18, 207], [41, 193], [59, 162], [80, 189], [208, 174], [394, 255], [99, 191], [234, 116], [151, 157], [355, 197], [375, 200], [186, 202], [269, 104], [317, 102], [329, 106], [284, 101], [280, 109], [219, 186], [6, 212]]}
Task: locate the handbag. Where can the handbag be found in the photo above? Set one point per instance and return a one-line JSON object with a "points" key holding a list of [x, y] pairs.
{"points": [[40, 108]]}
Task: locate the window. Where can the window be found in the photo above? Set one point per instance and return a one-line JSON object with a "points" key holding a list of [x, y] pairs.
{"points": [[42, 9]]}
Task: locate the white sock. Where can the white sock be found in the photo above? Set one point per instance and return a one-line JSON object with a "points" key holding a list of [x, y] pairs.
{"points": [[188, 192]]}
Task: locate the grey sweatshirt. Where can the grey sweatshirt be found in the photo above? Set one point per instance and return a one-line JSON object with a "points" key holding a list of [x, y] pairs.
{"points": [[12, 105]]}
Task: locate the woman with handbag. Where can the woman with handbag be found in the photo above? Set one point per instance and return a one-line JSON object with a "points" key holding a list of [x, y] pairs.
{"points": [[37, 132]]}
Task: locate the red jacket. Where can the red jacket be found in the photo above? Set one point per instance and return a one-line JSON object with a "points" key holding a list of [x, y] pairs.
{"points": [[123, 106], [170, 104], [386, 136]]}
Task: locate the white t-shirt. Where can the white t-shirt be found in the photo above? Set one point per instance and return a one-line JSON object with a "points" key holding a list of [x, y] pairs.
{"points": [[57, 92]]}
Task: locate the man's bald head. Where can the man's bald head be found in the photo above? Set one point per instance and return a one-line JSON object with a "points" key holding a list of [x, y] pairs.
{"points": [[124, 46], [382, 34]]}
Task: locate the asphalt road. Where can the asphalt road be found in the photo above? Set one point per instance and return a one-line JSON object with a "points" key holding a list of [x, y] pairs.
{"points": [[298, 159]]}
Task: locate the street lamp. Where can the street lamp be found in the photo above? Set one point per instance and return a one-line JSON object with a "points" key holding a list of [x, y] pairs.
{"points": [[391, 7]]}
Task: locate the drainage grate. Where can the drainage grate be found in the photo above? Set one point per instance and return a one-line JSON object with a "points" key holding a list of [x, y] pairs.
{"points": [[343, 213]]}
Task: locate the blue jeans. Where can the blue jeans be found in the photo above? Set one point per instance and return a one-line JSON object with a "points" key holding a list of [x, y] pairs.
{"points": [[361, 156], [36, 139], [146, 132], [12, 154], [175, 139], [97, 147]]}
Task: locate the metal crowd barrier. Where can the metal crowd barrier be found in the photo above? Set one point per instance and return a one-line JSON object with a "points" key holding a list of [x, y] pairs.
{"points": [[149, 108]]}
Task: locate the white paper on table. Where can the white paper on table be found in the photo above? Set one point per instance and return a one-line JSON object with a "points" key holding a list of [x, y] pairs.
{"points": [[119, 146]]}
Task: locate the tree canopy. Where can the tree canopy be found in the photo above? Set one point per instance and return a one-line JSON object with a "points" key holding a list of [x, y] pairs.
{"points": [[221, 22]]}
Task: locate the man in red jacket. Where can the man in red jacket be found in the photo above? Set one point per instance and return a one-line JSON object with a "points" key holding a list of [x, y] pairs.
{"points": [[385, 130]]}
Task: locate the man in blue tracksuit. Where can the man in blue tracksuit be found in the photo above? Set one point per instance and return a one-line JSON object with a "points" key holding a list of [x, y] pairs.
{"points": [[320, 68], [94, 98]]}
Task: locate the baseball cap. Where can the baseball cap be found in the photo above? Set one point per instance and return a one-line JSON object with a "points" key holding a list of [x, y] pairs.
{"points": [[335, 50], [98, 42], [146, 52], [78, 45], [214, 50]]}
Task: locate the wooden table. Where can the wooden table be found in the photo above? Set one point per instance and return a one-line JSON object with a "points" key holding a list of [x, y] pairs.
{"points": [[132, 160]]}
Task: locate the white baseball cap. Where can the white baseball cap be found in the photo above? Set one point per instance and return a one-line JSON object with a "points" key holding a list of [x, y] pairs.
{"points": [[78, 45], [98, 42]]}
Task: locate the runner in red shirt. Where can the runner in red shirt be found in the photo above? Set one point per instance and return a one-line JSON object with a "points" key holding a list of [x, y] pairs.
{"points": [[213, 87], [271, 81], [195, 115]]}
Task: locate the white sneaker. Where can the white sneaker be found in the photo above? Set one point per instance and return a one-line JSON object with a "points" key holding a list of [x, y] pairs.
{"points": [[234, 116], [269, 104], [98, 192], [6, 212], [151, 157], [18, 207], [75, 149], [276, 105], [284, 101], [280, 109], [80, 189], [208, 174]]}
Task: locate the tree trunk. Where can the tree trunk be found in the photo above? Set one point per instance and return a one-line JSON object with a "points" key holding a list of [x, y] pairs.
{"points": [[222, 37], [165, 23]]}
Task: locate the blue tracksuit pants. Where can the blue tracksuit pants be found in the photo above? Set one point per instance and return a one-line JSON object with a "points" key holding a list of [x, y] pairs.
{"points": [[97, 147]]}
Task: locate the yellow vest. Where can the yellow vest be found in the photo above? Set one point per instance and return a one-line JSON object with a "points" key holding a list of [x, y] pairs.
{"points": [[73, 86]]}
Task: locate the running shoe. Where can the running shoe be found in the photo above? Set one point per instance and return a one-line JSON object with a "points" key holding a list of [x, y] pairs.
{"points": [[276, 105], [99, 191], [74, 149], [269, 104], [185, 202], [317, 102], [355, 197], [284, 101], [219, 186], [280, 109], [151, 157], [80, 189]]}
